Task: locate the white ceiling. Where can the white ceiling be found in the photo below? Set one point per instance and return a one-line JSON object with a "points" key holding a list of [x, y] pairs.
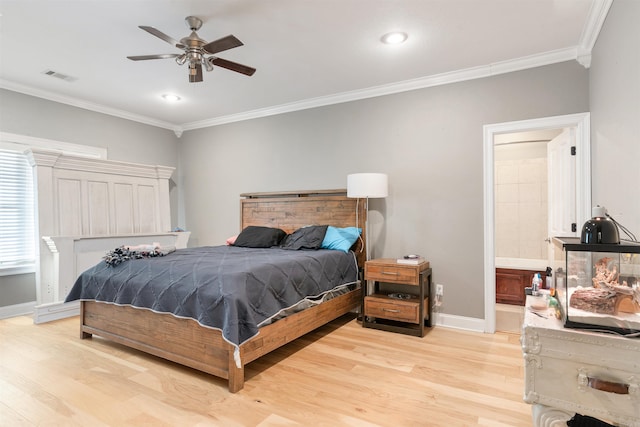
{"points": [[306, 52]]}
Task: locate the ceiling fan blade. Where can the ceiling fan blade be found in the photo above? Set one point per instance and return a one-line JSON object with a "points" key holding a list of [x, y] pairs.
{"points": [[195, 73], [161, 56], [162, 36], [228, 42], [233, 66]]}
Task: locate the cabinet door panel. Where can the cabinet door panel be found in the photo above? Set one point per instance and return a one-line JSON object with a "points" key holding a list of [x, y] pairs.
{"points": [[510, 286]]}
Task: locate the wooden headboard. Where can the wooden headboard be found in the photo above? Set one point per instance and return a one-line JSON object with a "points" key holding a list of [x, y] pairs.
{"points": [[290, 210]]}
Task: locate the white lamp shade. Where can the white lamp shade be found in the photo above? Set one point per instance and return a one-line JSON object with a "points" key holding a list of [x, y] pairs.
{"points": [[371, 185]]}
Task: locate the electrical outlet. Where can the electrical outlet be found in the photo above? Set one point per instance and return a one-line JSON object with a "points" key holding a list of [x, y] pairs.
{"points": [[439, 295]]}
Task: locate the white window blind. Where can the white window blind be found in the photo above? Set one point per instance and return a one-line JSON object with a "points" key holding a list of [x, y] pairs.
{"points": [[17, 242]]}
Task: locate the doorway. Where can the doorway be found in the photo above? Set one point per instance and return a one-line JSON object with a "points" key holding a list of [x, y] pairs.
{"points": [[580, 123], [522, 171]]}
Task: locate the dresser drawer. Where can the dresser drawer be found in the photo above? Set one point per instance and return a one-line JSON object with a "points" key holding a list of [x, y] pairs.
{"points": [[392, 309], [392, 274], [573, 386], [592, 374]]}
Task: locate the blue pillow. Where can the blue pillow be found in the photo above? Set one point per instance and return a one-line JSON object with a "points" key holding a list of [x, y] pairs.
{"points": [[340, 239]]}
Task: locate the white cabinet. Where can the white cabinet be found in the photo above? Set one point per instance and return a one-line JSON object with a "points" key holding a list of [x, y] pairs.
{"points": [[87, 206], [571, 371]]}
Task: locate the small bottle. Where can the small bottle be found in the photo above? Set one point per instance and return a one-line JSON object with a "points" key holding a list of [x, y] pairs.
{"points": [[549, 278], [535, 284]]}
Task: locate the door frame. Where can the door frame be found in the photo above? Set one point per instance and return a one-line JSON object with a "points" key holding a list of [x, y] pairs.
{"points": [[582, 123]]}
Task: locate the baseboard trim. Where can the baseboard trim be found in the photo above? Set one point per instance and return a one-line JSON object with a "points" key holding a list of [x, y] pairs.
{"points": [[55, 311], [22, 309], [459, 322]]}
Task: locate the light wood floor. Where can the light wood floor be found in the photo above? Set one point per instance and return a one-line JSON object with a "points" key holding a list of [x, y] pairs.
{"points": [[509, 318], [339, 375]]}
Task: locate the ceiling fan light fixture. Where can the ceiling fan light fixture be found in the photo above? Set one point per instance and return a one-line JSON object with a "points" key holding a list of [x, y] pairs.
{"points": [[207, 64], [170, 97], [396, 37], [180, 60]]}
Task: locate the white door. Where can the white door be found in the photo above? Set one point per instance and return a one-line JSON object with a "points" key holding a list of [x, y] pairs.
{"points": [[561, 167]]}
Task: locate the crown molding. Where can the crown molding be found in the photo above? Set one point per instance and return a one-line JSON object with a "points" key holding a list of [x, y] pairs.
{"points": [[489, 70], [75, 102], [593, 25], [497, 68]]}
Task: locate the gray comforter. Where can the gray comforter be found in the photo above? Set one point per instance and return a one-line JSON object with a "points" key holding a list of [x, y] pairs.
{"points": [[224, 287]]}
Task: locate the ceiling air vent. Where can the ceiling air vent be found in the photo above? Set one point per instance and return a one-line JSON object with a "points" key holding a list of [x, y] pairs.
{"points": [[60, 76]]}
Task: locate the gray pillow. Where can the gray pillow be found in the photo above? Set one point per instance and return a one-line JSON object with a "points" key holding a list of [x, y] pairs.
{"points": [[309, 237]]}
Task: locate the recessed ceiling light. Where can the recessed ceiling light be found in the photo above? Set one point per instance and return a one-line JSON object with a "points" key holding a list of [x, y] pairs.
{"points": [[395, 37], [169, 97]]}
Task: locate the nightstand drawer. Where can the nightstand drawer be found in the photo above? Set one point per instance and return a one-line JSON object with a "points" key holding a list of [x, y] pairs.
{"points": [[392, 309], [392, 274]]}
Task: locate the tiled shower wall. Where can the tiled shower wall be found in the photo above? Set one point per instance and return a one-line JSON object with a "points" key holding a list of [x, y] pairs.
{"points": [[521, 201]]}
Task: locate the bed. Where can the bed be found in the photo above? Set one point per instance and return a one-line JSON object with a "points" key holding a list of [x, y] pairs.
{"points": [[191, 342]]}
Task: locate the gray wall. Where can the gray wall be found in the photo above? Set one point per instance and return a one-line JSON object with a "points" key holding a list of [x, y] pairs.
{"points": [[615, 115], [428, 141], [125, 140], [17, 289]]}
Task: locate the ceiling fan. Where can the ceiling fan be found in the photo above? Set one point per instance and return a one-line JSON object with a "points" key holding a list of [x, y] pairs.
{"points": [[196, 51]]}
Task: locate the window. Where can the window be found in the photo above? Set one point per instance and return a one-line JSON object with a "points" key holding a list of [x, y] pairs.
{"points": [[17, 202], [17, 240]]}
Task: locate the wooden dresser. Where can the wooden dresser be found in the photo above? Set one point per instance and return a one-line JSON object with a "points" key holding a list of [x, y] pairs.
{"points": [[510, 284], [570, 371]]}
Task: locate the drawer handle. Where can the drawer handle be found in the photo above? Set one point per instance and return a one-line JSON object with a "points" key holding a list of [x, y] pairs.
{"points": [[391, 273], [607, 386], [390, 310], [602, 385]]}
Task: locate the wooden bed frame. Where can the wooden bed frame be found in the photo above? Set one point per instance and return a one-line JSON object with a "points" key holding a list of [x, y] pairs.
{"points": [[186, 342]]}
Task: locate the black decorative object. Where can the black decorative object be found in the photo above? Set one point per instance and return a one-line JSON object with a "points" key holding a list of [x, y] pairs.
{"points": [[599, 229]]}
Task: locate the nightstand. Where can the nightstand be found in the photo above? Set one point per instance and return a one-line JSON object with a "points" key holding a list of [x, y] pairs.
{"points": [[396, 297]]}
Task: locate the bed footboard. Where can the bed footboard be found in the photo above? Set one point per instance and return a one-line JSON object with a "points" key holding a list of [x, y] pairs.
{"points": [[186, 342], [182, 341]]}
